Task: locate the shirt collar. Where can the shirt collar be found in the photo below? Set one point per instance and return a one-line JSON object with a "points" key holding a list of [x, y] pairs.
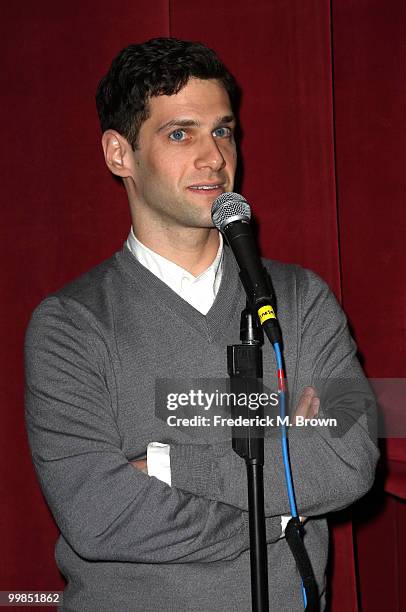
{"points": [[168, 271]]}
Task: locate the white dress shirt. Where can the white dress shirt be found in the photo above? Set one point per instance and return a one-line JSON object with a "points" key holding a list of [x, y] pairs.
{"points": [[199, 291]]}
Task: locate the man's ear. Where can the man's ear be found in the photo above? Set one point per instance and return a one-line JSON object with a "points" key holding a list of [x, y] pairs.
{"points": [[117, 153]]}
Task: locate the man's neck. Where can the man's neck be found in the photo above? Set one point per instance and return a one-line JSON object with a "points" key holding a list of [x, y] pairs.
{"points": [[193, 249]]}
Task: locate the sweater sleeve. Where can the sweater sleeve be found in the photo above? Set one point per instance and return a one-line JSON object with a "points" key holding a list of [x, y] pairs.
{"points": [[329, 470], [106, 509]]}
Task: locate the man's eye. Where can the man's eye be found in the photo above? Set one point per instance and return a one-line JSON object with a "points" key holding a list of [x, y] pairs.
{"points": [[222, 132], [177, 135]]}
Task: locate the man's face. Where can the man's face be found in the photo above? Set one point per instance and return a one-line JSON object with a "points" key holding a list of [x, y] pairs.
{"points": [[186, 156]]}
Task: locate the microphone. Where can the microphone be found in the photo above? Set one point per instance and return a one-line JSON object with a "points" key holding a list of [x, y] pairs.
{"points": [[231, 214]]}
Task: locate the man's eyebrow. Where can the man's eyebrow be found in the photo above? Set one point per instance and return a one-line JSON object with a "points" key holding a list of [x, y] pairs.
{"points": [[178, 122], [224, 120]]}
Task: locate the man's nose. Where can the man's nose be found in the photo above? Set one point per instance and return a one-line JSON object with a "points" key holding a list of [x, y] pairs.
{"points": [[209, 156]]}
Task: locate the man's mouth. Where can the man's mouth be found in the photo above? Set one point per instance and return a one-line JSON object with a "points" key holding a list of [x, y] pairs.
{"points": [[207, 187]]}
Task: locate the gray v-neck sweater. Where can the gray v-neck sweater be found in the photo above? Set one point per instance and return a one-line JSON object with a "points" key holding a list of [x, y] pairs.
{"points": [[129, 542]]}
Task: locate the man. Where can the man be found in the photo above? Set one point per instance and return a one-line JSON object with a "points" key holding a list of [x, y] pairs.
{"points": [[154, 517]]}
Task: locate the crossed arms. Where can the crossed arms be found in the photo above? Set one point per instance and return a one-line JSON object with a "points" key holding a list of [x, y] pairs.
{"points": [[107, 510]]}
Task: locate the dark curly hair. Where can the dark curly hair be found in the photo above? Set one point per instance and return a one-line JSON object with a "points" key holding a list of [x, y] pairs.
{"points": [[160, 66]]}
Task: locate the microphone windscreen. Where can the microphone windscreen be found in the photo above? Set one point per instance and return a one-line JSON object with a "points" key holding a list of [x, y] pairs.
{"points": [[230, 207]]}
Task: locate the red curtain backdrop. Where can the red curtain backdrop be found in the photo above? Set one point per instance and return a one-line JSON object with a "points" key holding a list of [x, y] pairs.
{"points": [[323, 152], [369, 42]]}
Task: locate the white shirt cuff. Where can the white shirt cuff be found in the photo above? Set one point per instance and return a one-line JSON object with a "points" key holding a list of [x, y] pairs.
{"points": [[158, 461], [285, 518]]}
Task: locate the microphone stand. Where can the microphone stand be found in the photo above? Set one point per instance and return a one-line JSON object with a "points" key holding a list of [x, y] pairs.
{"points": [[244, 364]]}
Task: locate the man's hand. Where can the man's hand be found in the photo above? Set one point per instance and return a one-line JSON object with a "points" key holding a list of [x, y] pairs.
{"points": [[140, 464], [308, 406]]}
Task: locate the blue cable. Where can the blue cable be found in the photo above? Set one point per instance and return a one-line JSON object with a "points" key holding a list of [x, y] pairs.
{"points": [[285, 450]]}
